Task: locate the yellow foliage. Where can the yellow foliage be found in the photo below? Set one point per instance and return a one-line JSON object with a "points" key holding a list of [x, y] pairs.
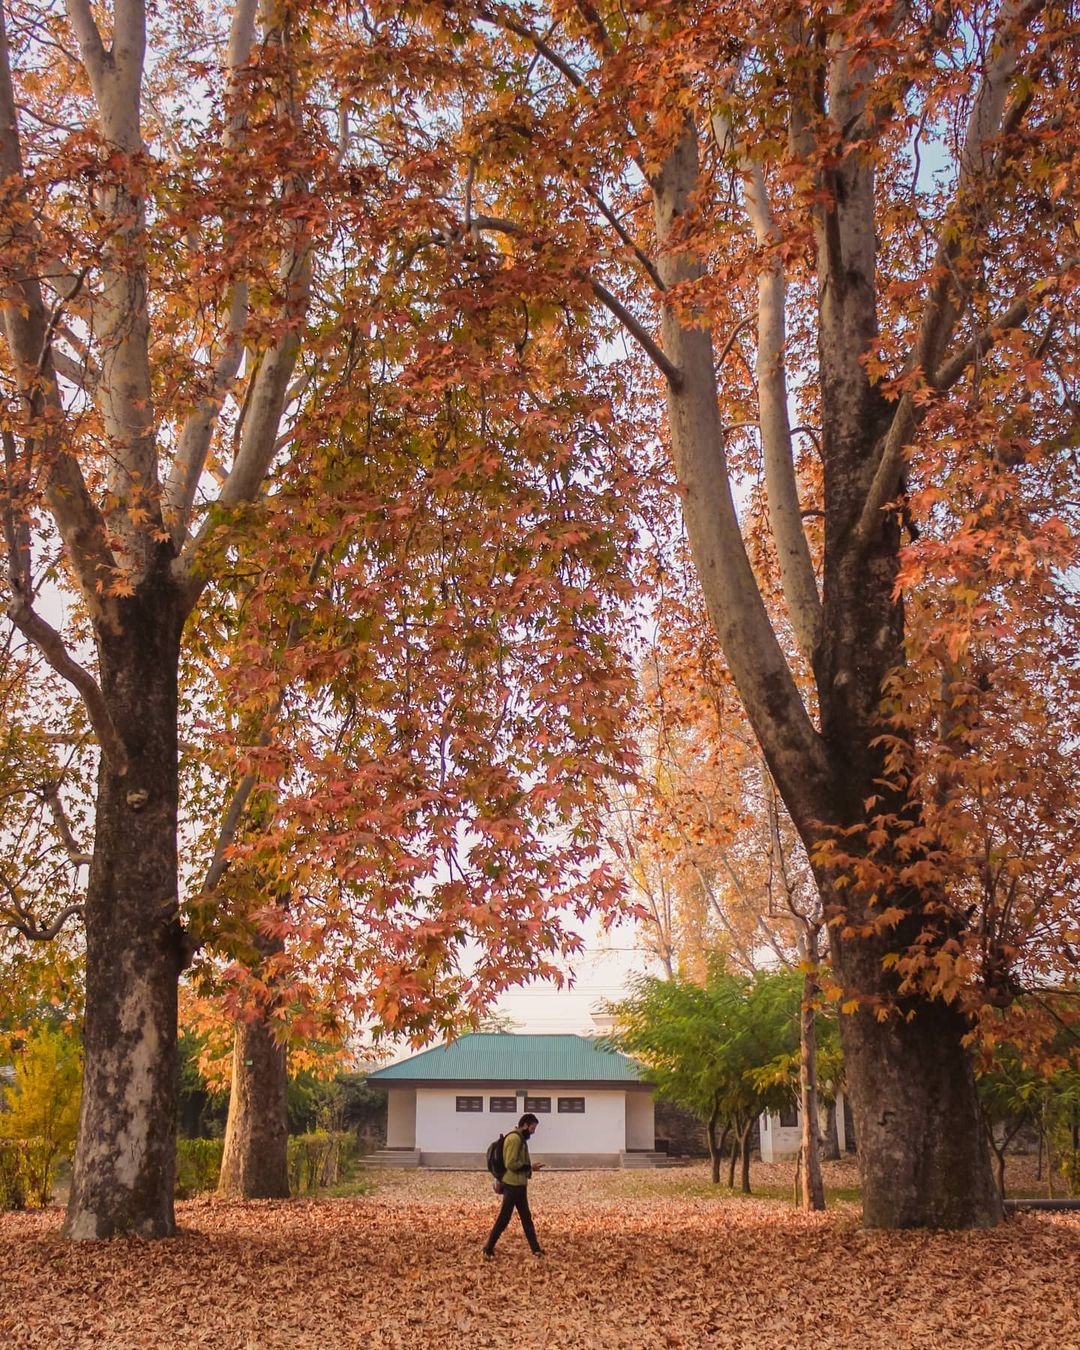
{"points": [[42, 1115]]}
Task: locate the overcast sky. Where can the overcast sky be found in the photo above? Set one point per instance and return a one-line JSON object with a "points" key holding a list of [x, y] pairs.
{"points": [[601, 972]]}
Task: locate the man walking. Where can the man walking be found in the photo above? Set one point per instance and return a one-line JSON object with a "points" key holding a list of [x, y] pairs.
{"points": [[518, 1168]]}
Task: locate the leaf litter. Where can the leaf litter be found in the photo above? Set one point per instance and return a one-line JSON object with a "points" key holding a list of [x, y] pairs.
{"points": [[638, 1260]]}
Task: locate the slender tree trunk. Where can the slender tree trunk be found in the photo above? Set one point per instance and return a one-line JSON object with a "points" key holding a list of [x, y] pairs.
{"points": [[733, 1160], [744, 1154], [126, 1154], [725, 1134], [813, 1188], [999, 1155], [255, 1162], [714, 1149], [831, 1151], [1049, 1157]]}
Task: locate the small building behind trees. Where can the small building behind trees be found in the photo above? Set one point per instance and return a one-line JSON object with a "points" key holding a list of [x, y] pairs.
{"points": [[447, 1104]]}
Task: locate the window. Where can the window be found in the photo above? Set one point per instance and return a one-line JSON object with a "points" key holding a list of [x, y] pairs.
{"points": [[571, 1106], [470, 1103], [538, 1105], [789, 1116], [508, 1105]]}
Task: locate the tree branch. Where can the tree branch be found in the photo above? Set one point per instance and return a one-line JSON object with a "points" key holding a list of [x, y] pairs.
{"points": [[77, 518], [640, 335], [77, 856], [652, 349], [27, 925], [94, 56], [195, 439], [625, 235], [197, 434], [515, 26], [793, 552], [986, 124], [954, 366], [51, 645]]}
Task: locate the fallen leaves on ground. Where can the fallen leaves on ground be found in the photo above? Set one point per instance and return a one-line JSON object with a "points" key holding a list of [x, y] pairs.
{"points": [[636, 1260]]}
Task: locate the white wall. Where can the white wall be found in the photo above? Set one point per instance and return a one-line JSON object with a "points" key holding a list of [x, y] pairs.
{"points": [[640, 1120], [401, 1117], [778, 1142], [441, 1128]]}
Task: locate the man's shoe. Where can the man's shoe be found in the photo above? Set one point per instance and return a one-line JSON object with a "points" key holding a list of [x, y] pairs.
{"points": [[488, 1256], [539, 1252]]}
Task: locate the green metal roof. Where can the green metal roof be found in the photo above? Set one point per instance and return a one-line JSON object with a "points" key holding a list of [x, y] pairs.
{"points": [[509, 1058]]}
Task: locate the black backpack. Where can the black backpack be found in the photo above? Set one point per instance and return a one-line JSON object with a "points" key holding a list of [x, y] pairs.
{"points": [[495, 1164]]}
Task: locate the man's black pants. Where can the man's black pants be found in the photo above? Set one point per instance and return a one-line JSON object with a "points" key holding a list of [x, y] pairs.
{"points": [[514, 1197]]}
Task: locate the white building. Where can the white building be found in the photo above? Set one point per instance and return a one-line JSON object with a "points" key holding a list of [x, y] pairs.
{"points": [[445, 1106], [781, 1132]]}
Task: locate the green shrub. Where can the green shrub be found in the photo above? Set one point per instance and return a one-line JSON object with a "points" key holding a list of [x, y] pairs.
{"points": [[198, 1166], [319, 1159]]}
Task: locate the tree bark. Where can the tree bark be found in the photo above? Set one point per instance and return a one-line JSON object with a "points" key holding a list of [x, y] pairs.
{"points": [[255, 1162], [831, 1151], [923, 1156], [126, 1154]]}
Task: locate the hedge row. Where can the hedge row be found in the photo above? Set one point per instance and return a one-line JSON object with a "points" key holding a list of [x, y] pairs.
{"points": [[315, 1160]]}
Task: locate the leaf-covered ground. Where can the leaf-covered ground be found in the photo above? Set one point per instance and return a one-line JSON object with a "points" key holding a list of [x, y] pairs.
{"points": [[634, 1260]]}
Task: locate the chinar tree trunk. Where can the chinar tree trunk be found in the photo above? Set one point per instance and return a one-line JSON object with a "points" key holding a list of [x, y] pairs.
{"points": [[125, 1159], [922, 1147], [925, 1160], [119, 487], [255, 1162]]}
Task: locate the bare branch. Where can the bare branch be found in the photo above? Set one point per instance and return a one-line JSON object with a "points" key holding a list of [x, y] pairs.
{"points": [[195, 439], [886, 481], [77, 856], [24, 923], [51, 645], [733, 337], [625, 235], [80, 373], [954, 366], [512, 25], [991, 116], [648, 344], [640, 334], [753, 653], [17, 916]]}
